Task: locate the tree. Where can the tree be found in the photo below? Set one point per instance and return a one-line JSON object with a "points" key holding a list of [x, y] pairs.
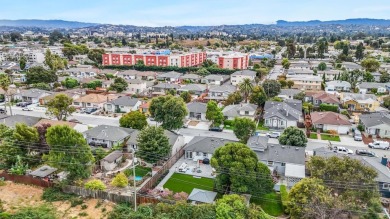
{"points": [[359, 53], [244, 128], [231, 207], [22, 63], [41, 86], [299, 96], [93, 84], [368, 77], [386, 102], [283, 83], [214, 113], [40, 75], [70, 83], [239, 170], [322, 66], [55, 36], [285, 63], [153, 144], [276, 99], [120, 180], [271, 87], [290, 83], [53, 61], [4, 84], [307, 107], [60, 107], [258, 96], [293, 136], [119, 85], [246, 88], [169, 110], [384, 78], [186, 96], [202, 72], [370, 64], [95, 184], [15, 36], [69, 151], [96, 55], [234, 98], [133, 119], [26, 135]]}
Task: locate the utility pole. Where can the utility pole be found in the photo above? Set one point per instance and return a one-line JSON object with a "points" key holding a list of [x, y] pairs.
{"points": [[135, 186]]}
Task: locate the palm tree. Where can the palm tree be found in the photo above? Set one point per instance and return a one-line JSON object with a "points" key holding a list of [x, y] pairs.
{"points": [[246, 88], [4, 84]]}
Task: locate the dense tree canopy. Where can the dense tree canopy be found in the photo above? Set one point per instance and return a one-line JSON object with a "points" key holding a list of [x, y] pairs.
{"points": [[258, 96], [153, 144], [244, 128], [214, 113], [246, 88], [293, 136], [234, 98], [70, 83], [133, 119], [119, 85], [370, 64], [60, 106], [271, 87], [186, 96], [40, 75], [169, 110]]}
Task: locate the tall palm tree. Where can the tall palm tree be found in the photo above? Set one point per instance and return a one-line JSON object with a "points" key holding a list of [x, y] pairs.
{"points": [[4, 84], [246, 87]]}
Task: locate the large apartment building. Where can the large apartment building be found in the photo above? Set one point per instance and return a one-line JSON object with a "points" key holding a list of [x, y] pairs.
{"points": [[234, 61], [179, 60]]}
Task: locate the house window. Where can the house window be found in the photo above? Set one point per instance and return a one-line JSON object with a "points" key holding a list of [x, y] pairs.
{"points": [[197, 153], [281, 123], [362, 105], [246, 112], [204, 154], [76, 103], [386, 186], [270, 163], [283, 164]]}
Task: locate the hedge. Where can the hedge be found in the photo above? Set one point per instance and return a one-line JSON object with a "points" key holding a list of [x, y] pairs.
{"points": [[229, 122], [328, 107], [212, 70], [284, 197]]}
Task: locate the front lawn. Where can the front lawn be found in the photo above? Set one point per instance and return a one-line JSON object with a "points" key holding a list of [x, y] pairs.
{"points": [[228, 127], [262, 127], [330, 137], [186, 183], [313, 136], [270, 203]]}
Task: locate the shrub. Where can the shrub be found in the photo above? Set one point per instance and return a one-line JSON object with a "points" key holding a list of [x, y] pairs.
{"points": [[83, 214], [229, 122], [95, 184], [360, 127], [120, 180], [55, 194], [84, 206], [328, 107], [284, 197], [2, 181], [76, 201]]}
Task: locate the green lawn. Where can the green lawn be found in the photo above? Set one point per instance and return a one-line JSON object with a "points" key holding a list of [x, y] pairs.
{"points": [[186, 183], [329, 137], [228, 127], [313, 135], [270, 203], [262, 127], [140, 171]]}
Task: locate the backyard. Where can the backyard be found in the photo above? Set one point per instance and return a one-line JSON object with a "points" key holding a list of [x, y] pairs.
{"points": [[186, 183], [139, 171], [270, 203], [327, 137]]}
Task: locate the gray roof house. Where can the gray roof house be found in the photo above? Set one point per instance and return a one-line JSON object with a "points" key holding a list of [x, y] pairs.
{"points": [[351, 66], [202, 196], [215, 79], [194, 78], [107, 136], [220, 92], [196, 89], [336, 86], [376, 124], [288, 161], [32, 95], [161, 88], [280, 115], [43, 171], [123, 104], [239, 76], [197, 111], [366, 87], [201, 147], [288, 93], [11, 121], [171, 76], [111, 161], [246, 110]]}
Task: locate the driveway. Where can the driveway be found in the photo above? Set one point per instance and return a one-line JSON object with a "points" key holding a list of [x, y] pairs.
{"points": [[201, 125]]}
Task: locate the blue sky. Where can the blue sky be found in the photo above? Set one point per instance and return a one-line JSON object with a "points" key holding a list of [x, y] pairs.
{"points": [[193, 12]]}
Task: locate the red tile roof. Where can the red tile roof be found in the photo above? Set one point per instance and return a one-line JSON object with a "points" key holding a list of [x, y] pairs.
{"points": [[329, 118]]}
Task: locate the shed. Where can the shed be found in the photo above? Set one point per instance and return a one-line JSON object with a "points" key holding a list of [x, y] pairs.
{"points": [[43, 171], [111, 161], [202, 196]]}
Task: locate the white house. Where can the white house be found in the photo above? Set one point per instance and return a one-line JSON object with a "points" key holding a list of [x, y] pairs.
{"points": [[220, 92], [367, 87], [107, 136], [93, 100], [331, 121], [32, 95], [136, 86], [281, 115], [239, 76], [246, 110], [197, 111], [336, 86], [376, 124], [123, 104], [201, 147], [215, 79], [170, 76]]}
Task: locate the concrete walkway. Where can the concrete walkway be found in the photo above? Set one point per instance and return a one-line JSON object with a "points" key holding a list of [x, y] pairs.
{"points": [[129, 163]]}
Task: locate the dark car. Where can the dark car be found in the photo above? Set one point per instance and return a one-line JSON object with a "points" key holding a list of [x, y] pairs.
{"points": [[22, 104], [365, 153], [206, 161], [216, 129], [3, 111], [90, 110]]}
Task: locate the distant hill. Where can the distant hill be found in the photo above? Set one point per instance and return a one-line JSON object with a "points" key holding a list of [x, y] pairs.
{"points": [[356, 21], [45, 23]]}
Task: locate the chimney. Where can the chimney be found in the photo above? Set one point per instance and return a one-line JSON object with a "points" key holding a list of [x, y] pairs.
{"points": [[287, 113]]}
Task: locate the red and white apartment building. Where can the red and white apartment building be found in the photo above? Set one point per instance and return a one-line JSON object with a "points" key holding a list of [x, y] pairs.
{"points": [[234, 61], [179, 60]]}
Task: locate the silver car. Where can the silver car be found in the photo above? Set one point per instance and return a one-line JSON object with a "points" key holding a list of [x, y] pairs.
{"points": [[273, 135]]}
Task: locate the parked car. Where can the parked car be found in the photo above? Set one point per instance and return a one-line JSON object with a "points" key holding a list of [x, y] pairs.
{"points": [[357, 135], [27, 108], [216, 129], [364, 152], [342, 150], [273, 135], [74, 121], [379, 145], [3, 111], [90, 110], [23, 104]]}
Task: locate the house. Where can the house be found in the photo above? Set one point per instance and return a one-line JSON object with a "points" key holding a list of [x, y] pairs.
{"points": [[300, 71], [11, 121], [93, 100], [380, 165], [215, 79], [376, 124], [198, 196], [111, 161], [360, 102], [304, 82], [140, 75], [377, 76], [136, 86], [123, 104], [368, 87], [196, 89], [193, 78], [74, 94], [288, 93], [144, 108], [197, 111], [239, 76], [82, 72], [76, 126], [162, 88], [333, 87], [246, 110], [286, 161], [350, 66], [317, 98], [107, 136], [171, 76], [44, 171], [32, 95], [201, 147], [330, 75], [220, 92], [284, 114], [331, 121]]}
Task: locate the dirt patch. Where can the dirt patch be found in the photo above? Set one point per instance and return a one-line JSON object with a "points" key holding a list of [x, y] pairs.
{"points": [[15, 196], [193, 123]]}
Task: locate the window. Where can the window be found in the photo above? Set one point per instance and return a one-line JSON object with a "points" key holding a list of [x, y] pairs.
{"points": [[197, 153], [246, 112], [270, 163], [281, 123], [204, 154], [386, 186], [283, 164]]}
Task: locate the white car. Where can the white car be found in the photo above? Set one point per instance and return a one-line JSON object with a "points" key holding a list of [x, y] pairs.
{"points": [[379, 145], [26, 109], [342, 150], [273, 135]]}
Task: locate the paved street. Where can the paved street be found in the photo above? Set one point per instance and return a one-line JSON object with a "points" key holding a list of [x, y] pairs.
{"points": [[197, 132]]}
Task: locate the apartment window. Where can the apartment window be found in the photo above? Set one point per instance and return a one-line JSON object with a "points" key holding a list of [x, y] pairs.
{"points": [[270, 163], [283, 164]]}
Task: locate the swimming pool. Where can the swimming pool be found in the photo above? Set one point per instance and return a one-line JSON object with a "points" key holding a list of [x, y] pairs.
{"points": [[138, 178]]}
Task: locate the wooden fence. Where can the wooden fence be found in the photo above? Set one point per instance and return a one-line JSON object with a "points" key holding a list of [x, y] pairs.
{"points": [[24, 179], [113, 197], [161, 173]]}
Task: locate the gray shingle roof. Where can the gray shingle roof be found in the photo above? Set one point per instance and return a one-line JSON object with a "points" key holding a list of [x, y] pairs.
{"points": [[191, 76], [171, 74], [245, 72], [125, 101], [217, 77], [374, 119], [289, 92], [370, 85], [289, 109], [282, 153], [338, 83], [206, 144], [197, 107], [11, 121], [258, 143], [203, 196], [353, 96], [167, 86], [110, 133], [194, 87], [113, 156], [222, 88], [233, 110], [34, 93], [43, 171]]}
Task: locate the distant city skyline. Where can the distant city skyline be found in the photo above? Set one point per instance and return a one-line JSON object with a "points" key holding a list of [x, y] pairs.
{"points": [[194, 12]]}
